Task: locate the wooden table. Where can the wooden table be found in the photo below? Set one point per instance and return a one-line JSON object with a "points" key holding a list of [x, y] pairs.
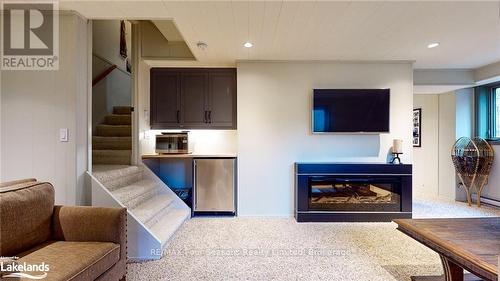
{"points": [[472, 244]]}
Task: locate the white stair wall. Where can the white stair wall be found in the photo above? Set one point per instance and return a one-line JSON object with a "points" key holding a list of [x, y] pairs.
{"points": [[154, 210], [174, 217]]}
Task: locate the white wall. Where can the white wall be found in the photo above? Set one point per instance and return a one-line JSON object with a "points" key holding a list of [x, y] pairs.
{"points": [[464, 102], [445, 118], [114, 90], [455, 121], [106, 40], [274, 108], [447, 137], [464, 116], [425, 164], [35, 104], [146, 142]]}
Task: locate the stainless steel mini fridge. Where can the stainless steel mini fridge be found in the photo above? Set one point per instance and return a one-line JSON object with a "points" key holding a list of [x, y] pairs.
{"points": [[214, 186]]}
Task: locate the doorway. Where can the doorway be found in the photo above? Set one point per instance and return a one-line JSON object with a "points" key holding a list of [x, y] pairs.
{"points": [[112, 92]]}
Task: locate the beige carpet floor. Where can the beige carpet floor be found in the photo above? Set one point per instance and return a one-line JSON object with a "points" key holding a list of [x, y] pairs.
{"points": [[281, 249]]}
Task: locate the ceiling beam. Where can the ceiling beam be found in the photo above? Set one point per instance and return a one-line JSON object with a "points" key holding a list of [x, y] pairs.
{"points": [[450, 77], [437, 81], [487, 74]]}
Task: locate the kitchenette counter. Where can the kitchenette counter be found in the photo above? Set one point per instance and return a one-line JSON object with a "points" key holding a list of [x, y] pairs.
{"points": [[189, 155], [206, 182]]}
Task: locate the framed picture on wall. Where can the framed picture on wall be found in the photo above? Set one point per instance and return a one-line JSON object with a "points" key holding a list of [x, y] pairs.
{"points": [[417, 127]]}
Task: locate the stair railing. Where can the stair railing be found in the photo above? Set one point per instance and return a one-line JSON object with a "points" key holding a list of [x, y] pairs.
{"points": [[103, 75], [107, 71]]}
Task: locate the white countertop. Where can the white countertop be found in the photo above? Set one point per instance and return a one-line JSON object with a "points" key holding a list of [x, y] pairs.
{"points": [[189, 155]]}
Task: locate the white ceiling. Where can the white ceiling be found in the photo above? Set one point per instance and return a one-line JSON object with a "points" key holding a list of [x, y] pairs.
{"points": [[169, 30], [469, 32]]}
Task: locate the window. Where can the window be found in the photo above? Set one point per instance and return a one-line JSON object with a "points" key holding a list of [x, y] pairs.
{"points": [[488, 111]]}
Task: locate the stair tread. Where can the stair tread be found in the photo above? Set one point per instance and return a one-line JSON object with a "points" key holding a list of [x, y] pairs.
{"points": [[132, 191], [111, 143], [111, 157], [111, 172], [118, 119], [122, 110], [148, 209], [118, 115], [170, 223], [105, 130], [105, 138], [113, 126], [113, 151]]}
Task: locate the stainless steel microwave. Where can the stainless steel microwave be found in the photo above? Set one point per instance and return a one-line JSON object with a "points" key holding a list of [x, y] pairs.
{"points": [[172, 143]]}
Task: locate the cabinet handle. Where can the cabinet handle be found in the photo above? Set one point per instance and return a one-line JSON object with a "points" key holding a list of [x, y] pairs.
{"points": [[178, 119], [206, 119], [210, 116]]}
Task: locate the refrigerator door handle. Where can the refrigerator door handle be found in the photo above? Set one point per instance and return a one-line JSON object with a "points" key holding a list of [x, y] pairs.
{"points": [[194, 185]]}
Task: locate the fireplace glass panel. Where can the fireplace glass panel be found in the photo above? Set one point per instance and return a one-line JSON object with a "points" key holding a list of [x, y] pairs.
{"points": [[354, 194]]}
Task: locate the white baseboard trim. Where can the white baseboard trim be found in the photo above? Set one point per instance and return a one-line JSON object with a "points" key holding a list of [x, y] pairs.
{"points": [[487, 200]]}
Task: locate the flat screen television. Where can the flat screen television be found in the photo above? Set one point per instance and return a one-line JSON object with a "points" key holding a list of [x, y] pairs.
{"points": [[351, 111]]}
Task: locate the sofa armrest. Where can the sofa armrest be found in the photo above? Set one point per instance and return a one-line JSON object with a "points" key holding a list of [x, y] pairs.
{"points": [[90, 224], [93, 224]]}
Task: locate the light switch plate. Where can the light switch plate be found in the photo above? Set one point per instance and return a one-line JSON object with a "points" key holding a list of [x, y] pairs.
{"points": [[63, 135]]}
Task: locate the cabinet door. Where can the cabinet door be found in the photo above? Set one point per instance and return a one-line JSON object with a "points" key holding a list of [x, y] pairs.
{"points": [[165, 99], [222, 99], [194, 85]]}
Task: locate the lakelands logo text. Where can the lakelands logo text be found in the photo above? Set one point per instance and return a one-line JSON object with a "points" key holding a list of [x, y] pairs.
{"points": [[13, 269], [30, 35]]}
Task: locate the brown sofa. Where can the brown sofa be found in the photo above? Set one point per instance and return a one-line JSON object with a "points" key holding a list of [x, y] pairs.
{"points": [[77, 243]]}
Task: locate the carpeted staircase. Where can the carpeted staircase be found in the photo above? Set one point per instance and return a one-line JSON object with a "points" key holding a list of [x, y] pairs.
{"points": [[112, 143], [148, 199]]}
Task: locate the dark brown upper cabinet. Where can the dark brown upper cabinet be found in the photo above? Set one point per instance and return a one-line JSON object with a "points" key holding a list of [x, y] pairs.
{"points": [[194, 91], [222, 99], [165, 102], [193, 98]]}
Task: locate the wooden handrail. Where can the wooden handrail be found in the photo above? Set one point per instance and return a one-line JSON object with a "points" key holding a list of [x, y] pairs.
{"points": [[103, 75]]}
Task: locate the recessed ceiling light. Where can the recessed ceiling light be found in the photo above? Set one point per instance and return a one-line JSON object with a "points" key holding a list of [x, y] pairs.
{"points": [[432, 45], [248, 45]]}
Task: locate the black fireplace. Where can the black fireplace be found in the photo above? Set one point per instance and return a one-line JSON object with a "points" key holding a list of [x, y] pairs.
{"points": [[352, 192]]}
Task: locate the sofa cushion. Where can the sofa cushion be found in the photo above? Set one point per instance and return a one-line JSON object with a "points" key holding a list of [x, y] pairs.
{"points": [[25, 215], [73, 260]]}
